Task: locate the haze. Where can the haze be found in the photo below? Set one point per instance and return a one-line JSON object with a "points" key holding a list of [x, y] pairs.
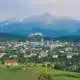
{"points": [[23, 8]]}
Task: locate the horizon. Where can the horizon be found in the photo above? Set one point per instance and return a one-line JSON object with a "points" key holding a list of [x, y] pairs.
{"points": [[48, 14]]}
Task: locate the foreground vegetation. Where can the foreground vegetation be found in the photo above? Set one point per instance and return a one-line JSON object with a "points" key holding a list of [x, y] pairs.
{"points": [[35, 72]]}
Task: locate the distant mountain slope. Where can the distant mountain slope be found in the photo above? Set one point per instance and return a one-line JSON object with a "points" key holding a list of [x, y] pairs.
{"points": [[46, 23]]}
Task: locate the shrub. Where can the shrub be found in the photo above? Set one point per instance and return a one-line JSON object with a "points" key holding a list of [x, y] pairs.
{"points": [[43, 65], [49, 65], [59, 67], [15, 68], [45, 76]]}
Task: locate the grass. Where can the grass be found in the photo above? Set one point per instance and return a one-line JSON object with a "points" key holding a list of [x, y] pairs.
{"points": [[31, 73]]}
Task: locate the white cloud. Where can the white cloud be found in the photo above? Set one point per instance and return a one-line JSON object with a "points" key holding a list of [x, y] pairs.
{"points": [[69, 8], [22, 8]]}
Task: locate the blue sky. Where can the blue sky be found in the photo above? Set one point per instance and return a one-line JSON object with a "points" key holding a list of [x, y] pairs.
{"points": [[22, 8]]}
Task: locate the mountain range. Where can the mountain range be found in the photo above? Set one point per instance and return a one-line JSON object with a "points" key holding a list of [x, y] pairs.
{"points": [[45, 23]]}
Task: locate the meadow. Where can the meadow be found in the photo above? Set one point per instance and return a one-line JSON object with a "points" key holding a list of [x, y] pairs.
{"points": [[33, 72]]}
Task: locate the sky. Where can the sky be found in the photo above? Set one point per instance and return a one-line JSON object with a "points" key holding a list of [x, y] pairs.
{"points": [[70, 8], [24, 8]]}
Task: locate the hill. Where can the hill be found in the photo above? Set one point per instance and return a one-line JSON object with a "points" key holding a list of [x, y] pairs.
{"points": [[45, 23], [32, 73]]}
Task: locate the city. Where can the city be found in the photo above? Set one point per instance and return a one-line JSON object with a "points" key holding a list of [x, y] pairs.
{"points": [[36, 49], [39, 39]]}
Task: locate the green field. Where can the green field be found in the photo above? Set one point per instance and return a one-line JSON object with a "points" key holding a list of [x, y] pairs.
{"points": [[32, 73]]}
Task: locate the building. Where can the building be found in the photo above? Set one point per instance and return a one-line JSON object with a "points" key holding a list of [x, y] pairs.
{"points": [[10, 62], [69, 56], [55, 56]]}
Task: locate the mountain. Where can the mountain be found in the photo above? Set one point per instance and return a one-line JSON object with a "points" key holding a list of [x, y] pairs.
{"points": [[45, 23]]}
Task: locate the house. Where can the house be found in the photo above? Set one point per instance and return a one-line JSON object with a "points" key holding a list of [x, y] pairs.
{"points": [[10, 62], [55, 56], [69, 56]]}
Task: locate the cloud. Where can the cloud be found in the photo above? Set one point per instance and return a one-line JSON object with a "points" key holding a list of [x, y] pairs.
{"points": [[22, 8], [36, 6], [69, 8]]}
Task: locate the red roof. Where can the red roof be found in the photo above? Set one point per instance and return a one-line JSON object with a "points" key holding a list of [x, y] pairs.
{"points": [[10, 61]]}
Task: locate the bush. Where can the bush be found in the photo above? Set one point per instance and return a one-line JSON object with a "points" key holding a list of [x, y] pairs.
{"points": [[43, 65], [45, 76], [15, 68], [7, 66], [49, 65], [59, 67]]}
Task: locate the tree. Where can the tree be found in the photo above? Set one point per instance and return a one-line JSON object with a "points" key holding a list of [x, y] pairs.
{"points": [[59, 67], [45, 76]]}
